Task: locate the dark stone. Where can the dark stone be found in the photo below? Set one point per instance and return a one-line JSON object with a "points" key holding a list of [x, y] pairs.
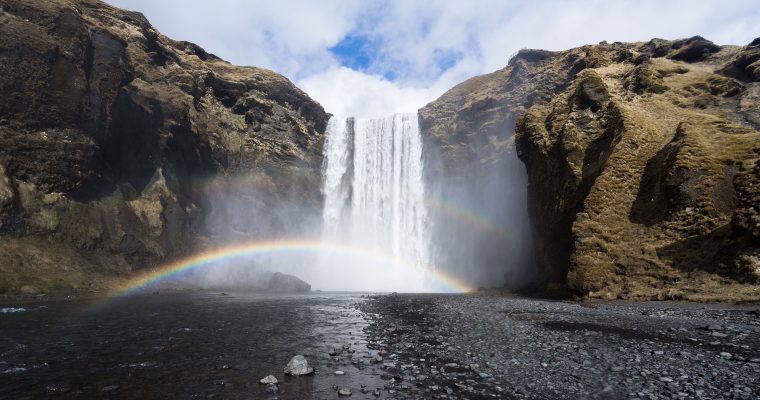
{"points": [[280, 282], [693, 49]]}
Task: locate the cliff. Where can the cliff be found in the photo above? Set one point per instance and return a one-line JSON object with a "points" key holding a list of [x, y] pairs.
{"points": [[118, 144], [642, 162]]}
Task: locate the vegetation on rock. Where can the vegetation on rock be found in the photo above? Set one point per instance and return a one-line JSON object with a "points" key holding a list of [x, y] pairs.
{"points": [[642, 161], [114, 140]]}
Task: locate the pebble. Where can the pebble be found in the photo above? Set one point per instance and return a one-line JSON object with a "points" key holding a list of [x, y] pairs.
{"points": [[339, 373], [725, 355], [344, 392], [268, 380]]}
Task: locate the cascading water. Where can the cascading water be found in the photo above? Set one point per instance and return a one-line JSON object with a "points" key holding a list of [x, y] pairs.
{"points": [[374, 197]]}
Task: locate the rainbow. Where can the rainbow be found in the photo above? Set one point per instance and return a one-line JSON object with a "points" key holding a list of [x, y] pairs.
{"points": [[260, 248], [470, 218]]}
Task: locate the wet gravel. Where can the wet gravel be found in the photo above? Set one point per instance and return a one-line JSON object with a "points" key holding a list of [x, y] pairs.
{"points": [[205, 345], [492, 346]]}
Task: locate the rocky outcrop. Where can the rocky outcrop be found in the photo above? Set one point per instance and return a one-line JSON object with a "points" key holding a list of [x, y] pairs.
{"points": [[117, 143], [284, 283], [641, 161]]}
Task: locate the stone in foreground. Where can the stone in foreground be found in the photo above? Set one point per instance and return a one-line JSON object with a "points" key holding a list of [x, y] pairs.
{"points": [[298, 366]]}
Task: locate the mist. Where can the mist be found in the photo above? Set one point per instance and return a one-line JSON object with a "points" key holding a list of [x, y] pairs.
{"points": [[481, 230], [270, 205], [381, 216]]}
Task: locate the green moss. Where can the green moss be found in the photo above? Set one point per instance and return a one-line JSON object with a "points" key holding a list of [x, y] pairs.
{"points": [[644, 79]]}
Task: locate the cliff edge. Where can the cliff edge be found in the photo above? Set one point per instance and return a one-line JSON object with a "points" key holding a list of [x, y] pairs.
{"points": [[116, 143]]}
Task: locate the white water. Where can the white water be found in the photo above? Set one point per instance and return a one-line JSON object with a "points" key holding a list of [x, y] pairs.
{"points": [[374, 196]]}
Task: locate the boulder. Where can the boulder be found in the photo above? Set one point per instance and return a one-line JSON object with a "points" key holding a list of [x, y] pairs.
{"points": [[284, 283], [298, 366]]}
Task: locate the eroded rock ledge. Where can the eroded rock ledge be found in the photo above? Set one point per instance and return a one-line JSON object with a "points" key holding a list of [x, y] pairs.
{"points": [[642, 162], [116, 141]]}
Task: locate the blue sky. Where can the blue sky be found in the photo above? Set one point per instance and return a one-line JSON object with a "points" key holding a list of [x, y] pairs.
{"points": [[373, 58], [354, 51]]}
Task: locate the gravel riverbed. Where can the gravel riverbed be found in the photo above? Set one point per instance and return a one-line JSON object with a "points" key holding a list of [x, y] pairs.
{"points": [[204, 345], [492, 346]]}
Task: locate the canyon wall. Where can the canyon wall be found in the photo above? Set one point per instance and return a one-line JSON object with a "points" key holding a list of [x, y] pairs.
{"points": [[642, 162], [119, 146]]}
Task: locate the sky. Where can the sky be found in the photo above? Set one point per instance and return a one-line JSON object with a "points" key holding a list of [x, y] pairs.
{"points": [[374, 58]]}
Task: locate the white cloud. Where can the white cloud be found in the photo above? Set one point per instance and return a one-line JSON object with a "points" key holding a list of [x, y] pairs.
{"points": [[346, 92], [413, 38], [290, 37]]}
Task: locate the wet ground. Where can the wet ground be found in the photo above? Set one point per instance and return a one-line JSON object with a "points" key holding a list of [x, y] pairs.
{"points": [[190, 345], [186, 345]]}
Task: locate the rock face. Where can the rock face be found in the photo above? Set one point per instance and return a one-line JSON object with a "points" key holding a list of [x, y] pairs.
{"points": [[117, 144], [642, 162], [473, 127]]}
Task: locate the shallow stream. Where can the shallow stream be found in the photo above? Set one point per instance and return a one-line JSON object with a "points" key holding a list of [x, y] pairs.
{"points": [[184, 345]]}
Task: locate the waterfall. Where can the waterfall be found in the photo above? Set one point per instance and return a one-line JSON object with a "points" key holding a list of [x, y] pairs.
{"points": [[374, 195]]}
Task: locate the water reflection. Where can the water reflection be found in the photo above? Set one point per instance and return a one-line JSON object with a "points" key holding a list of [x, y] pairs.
{"points": [[185, 345]]}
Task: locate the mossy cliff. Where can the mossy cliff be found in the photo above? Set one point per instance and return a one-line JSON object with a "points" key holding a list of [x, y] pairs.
{"points": [[641, 158], [116, 141]]}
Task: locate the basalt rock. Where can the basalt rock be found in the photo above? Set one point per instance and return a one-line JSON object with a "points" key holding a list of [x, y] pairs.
{"points": [[285, 283], [641, 160], [117, 143]]}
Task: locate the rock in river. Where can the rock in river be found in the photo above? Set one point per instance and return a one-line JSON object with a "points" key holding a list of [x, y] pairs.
{"points": [[298, 366], [269, 379]]}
